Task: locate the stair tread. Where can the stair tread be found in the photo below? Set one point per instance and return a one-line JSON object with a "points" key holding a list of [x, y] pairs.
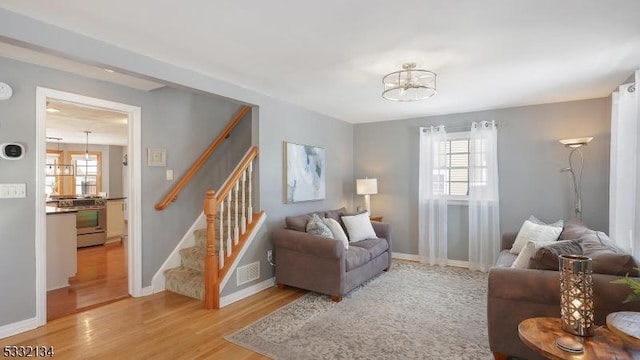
{"points": [[185, 281]]}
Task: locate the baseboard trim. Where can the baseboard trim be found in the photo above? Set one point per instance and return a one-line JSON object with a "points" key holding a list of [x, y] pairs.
{"points": [[246, 292], [149, 290], [18, 327], [458, 263], [413, 257], [174, 260]]}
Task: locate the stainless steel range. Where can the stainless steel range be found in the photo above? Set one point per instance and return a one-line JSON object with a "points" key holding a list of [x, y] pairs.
{"points": [[91, 219]]}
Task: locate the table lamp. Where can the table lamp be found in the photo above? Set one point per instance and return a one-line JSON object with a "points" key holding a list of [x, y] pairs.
{"points": [[576, 295], [367, 187]]}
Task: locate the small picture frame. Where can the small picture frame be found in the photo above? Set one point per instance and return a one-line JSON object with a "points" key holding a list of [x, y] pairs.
{"points": [[156, 157]]}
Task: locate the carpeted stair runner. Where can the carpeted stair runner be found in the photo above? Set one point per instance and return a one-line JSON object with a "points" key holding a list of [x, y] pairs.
{"points": [[188, 279]]}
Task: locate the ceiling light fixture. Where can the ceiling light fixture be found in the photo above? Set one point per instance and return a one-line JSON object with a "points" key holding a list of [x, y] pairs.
{"points": [[409, 84]]}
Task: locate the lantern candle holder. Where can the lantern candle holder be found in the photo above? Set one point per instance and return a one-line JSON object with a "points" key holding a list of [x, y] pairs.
{"points": [[576, 295]]}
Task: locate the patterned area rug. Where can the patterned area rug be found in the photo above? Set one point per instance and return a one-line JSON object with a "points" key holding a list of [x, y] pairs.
{"points": [[414, 311]]}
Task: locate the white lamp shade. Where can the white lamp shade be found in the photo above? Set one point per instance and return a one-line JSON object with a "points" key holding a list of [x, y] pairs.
{"points": [[366, 186], [575, 142]]}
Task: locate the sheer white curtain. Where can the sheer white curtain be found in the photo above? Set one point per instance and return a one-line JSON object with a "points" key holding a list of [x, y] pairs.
{"points": [[624, 195], [484, 208], [432, 201]]}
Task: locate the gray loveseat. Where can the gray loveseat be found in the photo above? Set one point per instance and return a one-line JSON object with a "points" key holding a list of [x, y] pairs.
{"points": [[323, 265], [519, 294]]}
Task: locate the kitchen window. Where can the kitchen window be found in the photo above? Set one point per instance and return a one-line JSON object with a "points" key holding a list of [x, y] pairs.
{"points": [[88, 172], [53, 179]]}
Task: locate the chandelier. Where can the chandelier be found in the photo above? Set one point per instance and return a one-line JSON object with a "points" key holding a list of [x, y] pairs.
{"points": [[409, 84]]}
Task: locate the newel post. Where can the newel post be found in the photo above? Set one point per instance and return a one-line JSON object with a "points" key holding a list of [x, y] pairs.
{"points": [[211, 284]]}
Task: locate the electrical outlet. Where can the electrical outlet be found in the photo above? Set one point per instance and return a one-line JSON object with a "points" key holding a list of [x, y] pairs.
{"points": [[270, 257]]}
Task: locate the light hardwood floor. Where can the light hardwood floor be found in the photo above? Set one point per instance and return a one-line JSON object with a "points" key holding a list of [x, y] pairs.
{"points": [[101, 278], [160, 326]]}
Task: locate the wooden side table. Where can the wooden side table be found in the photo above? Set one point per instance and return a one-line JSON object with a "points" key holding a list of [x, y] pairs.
{"points": [[626, 325], [375, 218], [540, 335]]}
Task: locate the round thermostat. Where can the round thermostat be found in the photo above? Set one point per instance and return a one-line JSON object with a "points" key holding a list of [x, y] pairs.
{"points": [[5, 91]]}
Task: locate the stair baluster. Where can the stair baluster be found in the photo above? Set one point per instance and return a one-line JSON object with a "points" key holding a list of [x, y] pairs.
{"points": [[221, 249], [249, 207], [229, 224], [243, 221], [236, 231]]}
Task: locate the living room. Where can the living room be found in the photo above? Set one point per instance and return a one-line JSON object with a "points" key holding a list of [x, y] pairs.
{"points": [[530, 157]]}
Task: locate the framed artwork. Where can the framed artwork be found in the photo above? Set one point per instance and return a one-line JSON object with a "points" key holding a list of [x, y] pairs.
{"points": [[156, 157], [304, 172]]}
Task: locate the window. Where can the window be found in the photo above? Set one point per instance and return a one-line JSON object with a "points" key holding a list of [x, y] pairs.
{"points": [[88, 174], [452, 170], [53, 179]]}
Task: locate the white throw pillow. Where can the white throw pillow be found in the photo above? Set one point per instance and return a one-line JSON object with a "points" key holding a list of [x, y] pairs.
{"points": [[337, 231], [534, 232], [535, 220], [359, 227], [529, 250]]}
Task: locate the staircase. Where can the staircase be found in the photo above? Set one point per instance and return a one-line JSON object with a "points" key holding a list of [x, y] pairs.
{"points": [[188, 279], [230, 225]]}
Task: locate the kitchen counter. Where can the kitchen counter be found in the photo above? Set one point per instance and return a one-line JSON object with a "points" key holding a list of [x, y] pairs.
{"points": [[61, 247], [54, 210]]}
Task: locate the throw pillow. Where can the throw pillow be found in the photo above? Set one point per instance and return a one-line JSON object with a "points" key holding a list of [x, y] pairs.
{"points": [[547, 257], [359, 227], [534, 232], [316, 226], [529, 250], [607, 257], [337, 231], [574, 229], [298, 223], [535, 220]]}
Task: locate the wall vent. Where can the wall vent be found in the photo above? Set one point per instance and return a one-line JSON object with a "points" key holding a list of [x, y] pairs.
{"points": [[248, 273]]}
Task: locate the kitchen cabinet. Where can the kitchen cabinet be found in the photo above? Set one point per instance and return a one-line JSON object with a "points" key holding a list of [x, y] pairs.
{"points": [[115, 218], [62, 257]]}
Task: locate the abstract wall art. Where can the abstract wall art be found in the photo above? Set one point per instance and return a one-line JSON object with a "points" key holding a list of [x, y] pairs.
{"points": [[305, 172]]}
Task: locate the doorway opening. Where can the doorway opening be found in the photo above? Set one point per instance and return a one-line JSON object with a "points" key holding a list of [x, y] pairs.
{"points": [[97, 149]]}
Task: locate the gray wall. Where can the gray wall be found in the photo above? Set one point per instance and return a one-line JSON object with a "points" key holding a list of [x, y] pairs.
{"points": [[529, 160], [182, 122], [281, 122], [162, 124], [115, 171]]}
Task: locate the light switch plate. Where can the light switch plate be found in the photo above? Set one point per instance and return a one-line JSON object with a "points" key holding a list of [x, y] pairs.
{"points": [[13, 191], [169, 174]]}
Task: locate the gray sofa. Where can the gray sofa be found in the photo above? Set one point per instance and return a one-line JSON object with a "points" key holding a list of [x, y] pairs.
{"points": [[518, 294], [323, 265]]}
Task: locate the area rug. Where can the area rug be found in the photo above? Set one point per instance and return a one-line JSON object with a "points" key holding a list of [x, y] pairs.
{"points": [[413, 311]]}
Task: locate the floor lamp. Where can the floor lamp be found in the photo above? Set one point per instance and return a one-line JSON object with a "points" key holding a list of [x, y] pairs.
{"points": [[576, 173]]}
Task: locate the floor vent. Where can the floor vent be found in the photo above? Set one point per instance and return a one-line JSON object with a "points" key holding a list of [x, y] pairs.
{"points": [[248, 273]]}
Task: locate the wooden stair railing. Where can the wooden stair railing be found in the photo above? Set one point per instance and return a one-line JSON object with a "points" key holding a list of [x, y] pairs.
{"points": [[238, 185], [172, 195]]}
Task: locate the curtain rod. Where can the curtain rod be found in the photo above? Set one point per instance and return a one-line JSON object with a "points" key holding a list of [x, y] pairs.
{"points": [[457, 127]]}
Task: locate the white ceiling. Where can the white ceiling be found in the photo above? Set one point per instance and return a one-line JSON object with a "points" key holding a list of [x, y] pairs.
{"points": [[72, 120], [330, 56]]}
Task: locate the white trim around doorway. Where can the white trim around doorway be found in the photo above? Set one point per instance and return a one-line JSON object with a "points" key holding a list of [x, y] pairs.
{"points": [[134, 243]]}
